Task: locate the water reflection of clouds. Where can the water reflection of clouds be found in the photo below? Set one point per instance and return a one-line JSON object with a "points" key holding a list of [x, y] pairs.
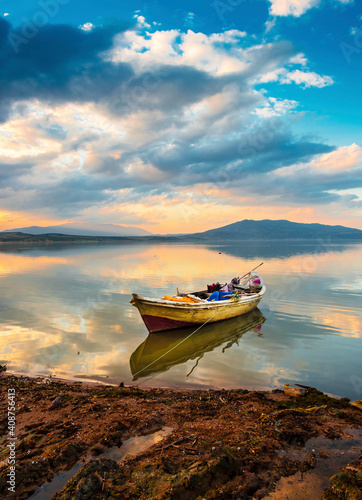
{"points": [[18, 263], [56, 303], [354, 284]]}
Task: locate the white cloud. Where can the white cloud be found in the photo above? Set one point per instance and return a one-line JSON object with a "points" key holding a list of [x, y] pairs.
{"points": [[299, 59], [6, 14], [189, 19], [230, 36], [296, 7], [270, 76], [141, 21], [275, 107], [86, 26], [291, 7], [343, 158], [303, 78], [307, 79], [204, 52], [218, 54], [269, 25]]}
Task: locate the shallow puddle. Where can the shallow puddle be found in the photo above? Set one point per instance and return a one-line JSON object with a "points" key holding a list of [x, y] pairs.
{"points": [[132, 446], [47, 490], [136, 445], [311, 484]]}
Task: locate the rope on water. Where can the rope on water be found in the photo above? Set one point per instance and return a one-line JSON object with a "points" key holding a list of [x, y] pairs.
{"points": [[174, 347], [183, 340]]}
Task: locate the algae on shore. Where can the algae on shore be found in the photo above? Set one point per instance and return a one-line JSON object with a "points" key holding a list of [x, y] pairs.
{"points": [[224, 443]]}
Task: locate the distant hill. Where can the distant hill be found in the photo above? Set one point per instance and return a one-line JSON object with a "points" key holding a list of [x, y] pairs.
{"points": [[259, 231], [14, 238], [277, 229], [84, 230]]}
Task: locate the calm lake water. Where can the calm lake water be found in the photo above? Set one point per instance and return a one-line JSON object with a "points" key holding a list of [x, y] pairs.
{"points": [[65, 312]]}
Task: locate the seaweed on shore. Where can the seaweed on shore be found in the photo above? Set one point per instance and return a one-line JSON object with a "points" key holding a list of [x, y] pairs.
{"points": [[224, 443]]}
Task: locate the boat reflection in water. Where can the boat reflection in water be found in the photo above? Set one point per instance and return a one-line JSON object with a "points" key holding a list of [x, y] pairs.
{"points": [[160, 351]]}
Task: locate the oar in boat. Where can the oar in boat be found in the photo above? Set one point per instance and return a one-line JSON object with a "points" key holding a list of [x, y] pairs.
{"points": [[241, 277]]}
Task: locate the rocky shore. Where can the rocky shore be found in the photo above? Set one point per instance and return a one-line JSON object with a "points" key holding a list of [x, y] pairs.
{"points": [[215, 444]]}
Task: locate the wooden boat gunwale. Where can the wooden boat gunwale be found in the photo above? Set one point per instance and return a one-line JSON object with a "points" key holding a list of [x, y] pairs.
{"points": [[199, 305]]}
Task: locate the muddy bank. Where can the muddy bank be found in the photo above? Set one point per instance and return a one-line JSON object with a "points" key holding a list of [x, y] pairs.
{"points": [[219, 444]]}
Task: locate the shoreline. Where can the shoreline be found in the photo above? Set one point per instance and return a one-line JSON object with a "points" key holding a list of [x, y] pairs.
{"points": [[105, 382], [19, 239], [221, 443], [100, 383]]}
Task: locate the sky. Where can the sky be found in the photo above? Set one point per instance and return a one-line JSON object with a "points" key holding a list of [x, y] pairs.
{"points": [[180, 117]]}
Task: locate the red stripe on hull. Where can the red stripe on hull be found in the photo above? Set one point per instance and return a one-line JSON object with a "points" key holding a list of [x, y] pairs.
{"points": [[157, 324]]}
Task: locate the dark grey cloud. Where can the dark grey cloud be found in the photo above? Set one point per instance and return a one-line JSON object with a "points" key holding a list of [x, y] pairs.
{"points": [[268, 57], [315, 187], [65, 197], [169, 88], [188, 164], [308, 186], [54, 131], [59, 63], [283, 150], [81, 141], [77, 191], [10, 172]]}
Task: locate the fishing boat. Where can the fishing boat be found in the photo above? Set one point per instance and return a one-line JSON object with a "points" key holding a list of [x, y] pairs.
{"points": [[192, 309], [158, 353]]}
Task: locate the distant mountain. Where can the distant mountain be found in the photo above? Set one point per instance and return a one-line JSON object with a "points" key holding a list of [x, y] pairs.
{"points": [[10, 238], [277, 229], [259, 231], [84, 230]]}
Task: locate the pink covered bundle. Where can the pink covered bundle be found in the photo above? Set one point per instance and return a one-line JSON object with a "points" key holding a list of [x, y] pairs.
{"points": [[253, 280]]}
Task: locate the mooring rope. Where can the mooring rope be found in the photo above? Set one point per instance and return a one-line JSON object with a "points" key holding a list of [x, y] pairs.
{"points": [[183, 340], [174, 347]]}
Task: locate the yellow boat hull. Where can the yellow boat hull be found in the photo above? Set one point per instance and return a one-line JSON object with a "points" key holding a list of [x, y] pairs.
{"points": [[159, 314], [164, 350]]}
